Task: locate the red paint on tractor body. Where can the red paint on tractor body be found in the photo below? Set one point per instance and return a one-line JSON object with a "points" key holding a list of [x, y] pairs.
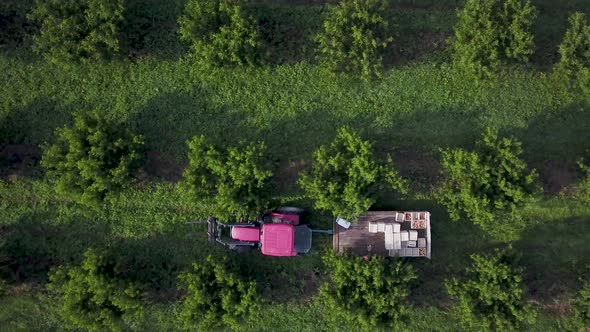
{"points": [[278, 240], [249, 234]]}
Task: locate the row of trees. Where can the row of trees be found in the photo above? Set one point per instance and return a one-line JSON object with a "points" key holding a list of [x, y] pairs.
{"points": [[355, 35], [494, 32], [488, 186], [220, 32], [369, 293], [97, 296], [96, 158]]}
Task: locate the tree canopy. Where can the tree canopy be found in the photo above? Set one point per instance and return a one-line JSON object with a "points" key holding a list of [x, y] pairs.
{"points": [[345, 176], [216, 297], [220, 32], [488, 185], [78, 30], [582, 189], [574, 64], [92, 158], [491, 31], [369, 293], [355, 34], [581, 306], [491, 298], [91, 297], [235, 181]]}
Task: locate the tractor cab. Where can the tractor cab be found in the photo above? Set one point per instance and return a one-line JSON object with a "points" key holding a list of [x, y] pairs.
{"points": [[283, 232]]}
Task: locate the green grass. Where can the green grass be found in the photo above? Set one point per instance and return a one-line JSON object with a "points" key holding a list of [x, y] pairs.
{"points": [[293, 108], [30, 313], [420, 106], [147, 227]]}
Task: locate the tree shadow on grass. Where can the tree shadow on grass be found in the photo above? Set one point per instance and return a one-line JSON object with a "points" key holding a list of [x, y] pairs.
{"points": [[33, 123], [553, 142], [150, 28], [555, 255], [297, 136], [562, 134], [167, 129], [22, 130], [158, 260], [286, 31], [427, 129], [37, 242], [283, 279], [15, 29], [32, 244], [550, 26]]}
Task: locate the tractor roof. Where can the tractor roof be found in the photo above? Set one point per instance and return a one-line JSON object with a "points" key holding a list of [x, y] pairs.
{"points": [[278, 240]]}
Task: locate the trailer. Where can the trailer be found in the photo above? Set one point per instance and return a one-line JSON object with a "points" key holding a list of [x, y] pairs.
{"points": [[385, 233]]}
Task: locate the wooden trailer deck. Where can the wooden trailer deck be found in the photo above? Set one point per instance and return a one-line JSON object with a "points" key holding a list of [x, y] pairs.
{"points": [[368, 236]]}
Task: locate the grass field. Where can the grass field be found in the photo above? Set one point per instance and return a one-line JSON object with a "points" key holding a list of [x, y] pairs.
{"points": [[294, 106]]}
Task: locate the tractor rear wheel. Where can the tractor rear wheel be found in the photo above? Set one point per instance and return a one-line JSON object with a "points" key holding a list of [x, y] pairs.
{"points": [[303, 215]]}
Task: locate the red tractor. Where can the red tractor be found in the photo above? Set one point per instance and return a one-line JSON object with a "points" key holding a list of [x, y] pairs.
{"points": [[283, 232]]}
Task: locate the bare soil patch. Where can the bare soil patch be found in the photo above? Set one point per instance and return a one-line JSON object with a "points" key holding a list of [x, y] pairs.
{"points": [[19, 161], [287, 174], [423, 168], [312, 282], [163, 167], [415, 47], [557, 176]]}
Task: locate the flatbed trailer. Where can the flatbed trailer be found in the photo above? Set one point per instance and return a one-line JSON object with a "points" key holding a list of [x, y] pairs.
{"points": [[385, 233]]}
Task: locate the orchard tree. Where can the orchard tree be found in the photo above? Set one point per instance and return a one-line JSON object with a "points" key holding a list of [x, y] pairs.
{"points": [[92, 158], [581, 317], [90, 296], [216, 297], [369, 294], [491, 31], [583, 187], [491, 299], [574, 64], [487, 185], [345, 176], [219, 32], [78, 30], [354, 37], [232, 182]]}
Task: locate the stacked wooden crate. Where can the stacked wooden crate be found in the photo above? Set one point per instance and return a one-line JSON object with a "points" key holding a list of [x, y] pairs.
{"points": [[392, 233], [405, 243]]}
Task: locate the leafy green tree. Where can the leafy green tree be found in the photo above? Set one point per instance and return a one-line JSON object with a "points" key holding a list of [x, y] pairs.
{"points": [[92, 158], [369, 294], [488, 185], [583, 187], [491, 31], [574, 64], [345, 176], [491, 299], [78, 30], [219, 32], [216, 297], [232, 182], [581, 317], [354, 37], [91, 297]]}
